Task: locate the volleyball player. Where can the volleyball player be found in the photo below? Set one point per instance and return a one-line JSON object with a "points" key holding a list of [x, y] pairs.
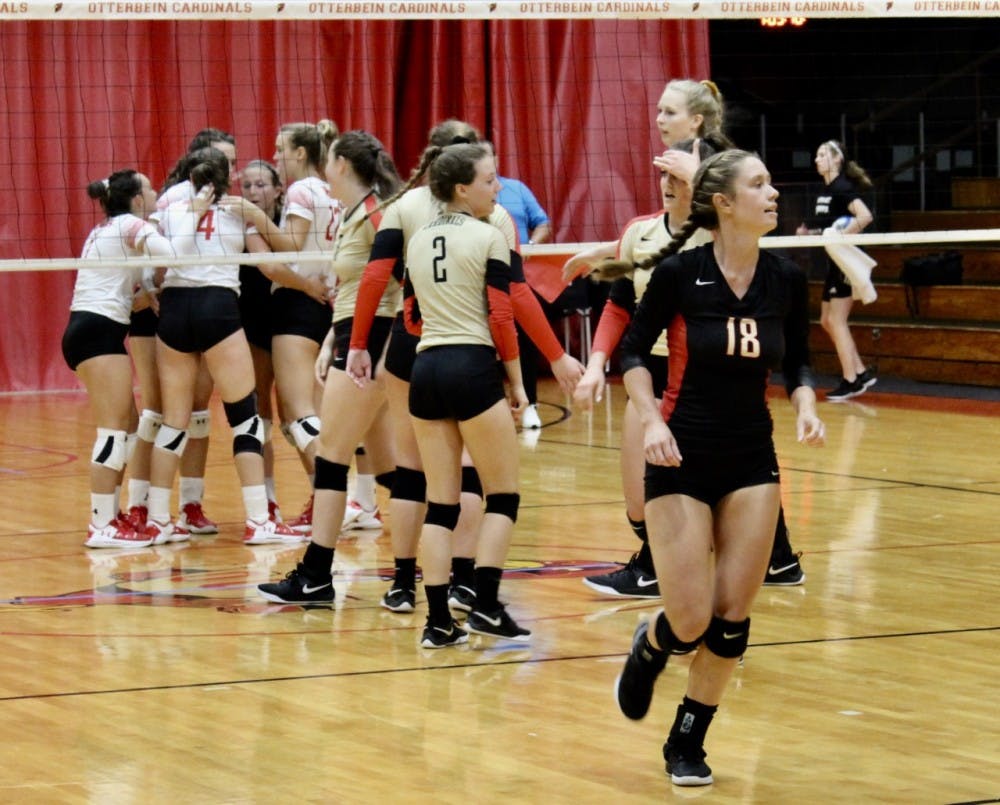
{"points": [[457, 396], [404, 215], [309, 220], [199, 315], [93, 343], [732, 313], [360, 174]]}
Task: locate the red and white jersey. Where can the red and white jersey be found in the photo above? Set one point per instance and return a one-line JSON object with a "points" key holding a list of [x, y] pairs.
{"points": [[310, 198], [109, 291], [219, 233], [182, 191], [352, 247]]}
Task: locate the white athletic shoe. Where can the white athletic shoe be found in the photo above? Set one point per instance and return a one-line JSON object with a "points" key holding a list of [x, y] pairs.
{"points": [[116, 534], [530, 419], [356, 517], [270, 532]]}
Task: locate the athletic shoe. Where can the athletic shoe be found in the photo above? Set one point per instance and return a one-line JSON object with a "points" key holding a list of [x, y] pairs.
{"points": [[688, 768], [357, 517], [273, 512], [630, 581], [136, 517], [867, 379], [530, 419], [304, 522], [193, 519], [400, 600], [634, 685], [116, 534], [461, 597], [442, 637], [298, 588], [269, 532], [162, 533], [786, 574], [497, 623], [846, 390]]}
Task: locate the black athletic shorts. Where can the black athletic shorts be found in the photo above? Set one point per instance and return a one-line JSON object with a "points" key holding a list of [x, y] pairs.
{"points": [[88, 335], [455, 382], [297, 313], [710, 476], [377, 337], [143, 324], [835, 286], [255, 306], [196, 319], [401, 352]]}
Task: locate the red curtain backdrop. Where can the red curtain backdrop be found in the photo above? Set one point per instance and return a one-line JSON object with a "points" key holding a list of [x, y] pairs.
{"points": [[569, 104]]}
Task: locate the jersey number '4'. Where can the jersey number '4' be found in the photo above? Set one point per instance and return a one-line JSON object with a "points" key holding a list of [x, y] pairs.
{"points": [[207, 224], [749, 344]]}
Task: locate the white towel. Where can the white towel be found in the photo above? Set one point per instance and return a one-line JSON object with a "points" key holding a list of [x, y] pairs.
{"points": [[856, 265]]}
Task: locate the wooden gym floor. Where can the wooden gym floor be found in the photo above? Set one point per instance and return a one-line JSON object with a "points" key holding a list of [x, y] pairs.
{"points": [[158, 676]]}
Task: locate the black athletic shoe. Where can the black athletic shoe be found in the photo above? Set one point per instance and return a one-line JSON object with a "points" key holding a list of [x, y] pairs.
{"points": [[845, 391], [867, 379], [461, 597], [298, 588], [497, 623], [629, 581], [687, 768], [785, 574], [400, 600], [634, 685], [442, 637]]}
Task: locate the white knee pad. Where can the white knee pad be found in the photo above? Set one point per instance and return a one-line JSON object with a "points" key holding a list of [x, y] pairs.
{"points": [[200, 425], [247, 435], [149, 424], [109, 449], [304, 430], [171, 439]]}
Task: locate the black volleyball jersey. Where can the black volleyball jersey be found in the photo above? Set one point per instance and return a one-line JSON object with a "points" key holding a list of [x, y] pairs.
{"points": [[833, 201], [722, 349]]}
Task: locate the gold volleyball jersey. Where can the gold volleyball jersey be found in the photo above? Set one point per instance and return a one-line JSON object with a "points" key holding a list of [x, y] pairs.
{"points": [[446, 263], [642, 238], [350, 256]]}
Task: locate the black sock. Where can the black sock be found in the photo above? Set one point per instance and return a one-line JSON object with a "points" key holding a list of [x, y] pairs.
{"points": [[781, 549], [463, 572], [318, 561], [687, 735], [487, 588], [644, 558], [406, 574], [437, 604]]}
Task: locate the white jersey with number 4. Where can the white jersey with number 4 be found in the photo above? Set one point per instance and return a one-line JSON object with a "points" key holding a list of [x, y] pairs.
{"points": [[219, 233]]}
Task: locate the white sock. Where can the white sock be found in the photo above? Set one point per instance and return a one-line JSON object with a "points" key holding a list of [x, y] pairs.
{"points": [[103, 509], [255, 502], [159, 504], [138, 493], [364, 492], [192, 490]]}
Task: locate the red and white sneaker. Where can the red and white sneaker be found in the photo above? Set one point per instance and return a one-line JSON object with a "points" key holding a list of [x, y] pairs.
{"points": [[304, 522], [194, 521], [162, 533], [270, 532], [273, 512], [136, 517], [116, 534], [357, 517]]}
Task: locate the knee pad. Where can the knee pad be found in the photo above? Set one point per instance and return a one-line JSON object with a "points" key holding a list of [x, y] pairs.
{"points": [[727, 639], [248, 430], [171, 439], [267, 426], [443, 514], [149, 424], [200, 425], [669, 641], [386, 479], [330, 475], [505, 503], [304, 430], [409, 484], [471, 484], [286, 431], [109, 449], [130, 442]]}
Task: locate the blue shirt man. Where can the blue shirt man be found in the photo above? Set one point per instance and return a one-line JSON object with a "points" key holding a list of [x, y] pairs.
{"points": [[532, 222]]}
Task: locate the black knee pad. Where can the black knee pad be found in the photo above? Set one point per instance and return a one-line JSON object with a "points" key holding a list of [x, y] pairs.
{"points": [[443, 514], [386, 479], [241, 410], [359, 450], [248, 427], [727, 639], [669, 641], [409, 484], [330, 475], [505, 503], [470, 482]]}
